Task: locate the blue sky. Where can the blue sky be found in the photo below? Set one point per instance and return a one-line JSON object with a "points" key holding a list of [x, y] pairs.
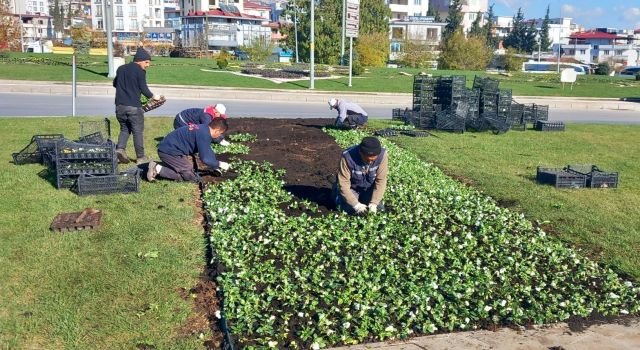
{"points": [[621, 14]]}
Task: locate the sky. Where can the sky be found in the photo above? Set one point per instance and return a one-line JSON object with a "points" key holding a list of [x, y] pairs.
{"points": [[620, 14]]}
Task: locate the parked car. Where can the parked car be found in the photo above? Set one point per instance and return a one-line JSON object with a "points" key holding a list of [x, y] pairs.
{"points": [[630, 71]]}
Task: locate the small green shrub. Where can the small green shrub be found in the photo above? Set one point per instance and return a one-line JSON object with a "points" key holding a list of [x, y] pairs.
{"points": [[357, 68], [638, 76], [222, 62], [603, 69]]}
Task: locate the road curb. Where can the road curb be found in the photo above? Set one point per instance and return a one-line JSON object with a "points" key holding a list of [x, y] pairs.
{"points": [[399, 100]]}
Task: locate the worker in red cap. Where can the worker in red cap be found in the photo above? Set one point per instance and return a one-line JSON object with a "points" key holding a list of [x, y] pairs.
{"points": [[196, 116]]}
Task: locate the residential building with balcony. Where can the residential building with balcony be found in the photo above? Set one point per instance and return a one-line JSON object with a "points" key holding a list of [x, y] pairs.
{"points": [[129, 16], [403, 9], [470, 10], [596, 47], [36, 28], [421, 30], [221, 30], [30, 7]]}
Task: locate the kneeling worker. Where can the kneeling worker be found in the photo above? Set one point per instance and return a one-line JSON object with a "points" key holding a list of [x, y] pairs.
{"points": [[362, 177], [192, 116], [350, 115], [186, 141], [199, 115]]}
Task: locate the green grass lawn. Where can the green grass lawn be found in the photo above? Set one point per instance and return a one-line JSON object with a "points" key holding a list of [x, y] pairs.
{"points": [[90, 289], [204, 72], [605, 222]]}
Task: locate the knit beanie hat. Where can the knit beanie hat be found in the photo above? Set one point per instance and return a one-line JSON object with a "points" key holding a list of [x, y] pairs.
{"points": [[141, 55], [370, 146]]}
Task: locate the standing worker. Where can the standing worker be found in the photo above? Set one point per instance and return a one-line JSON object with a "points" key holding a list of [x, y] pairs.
{"points": [[199, 115], [362, 177], [174, 151], [350, 115], [130, 82]]}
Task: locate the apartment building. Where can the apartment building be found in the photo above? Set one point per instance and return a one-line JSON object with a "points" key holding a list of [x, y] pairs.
{"points": [[470, 9], [403, 9]]}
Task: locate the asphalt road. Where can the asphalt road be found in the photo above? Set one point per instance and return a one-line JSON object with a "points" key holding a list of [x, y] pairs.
{"points": [[29, 105]]}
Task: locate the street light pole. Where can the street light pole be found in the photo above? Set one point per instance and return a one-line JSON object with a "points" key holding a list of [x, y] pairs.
{"points": [[312, 48], [344, 15], [295, 27], [539, 49], [559, 48], [108, 19]]}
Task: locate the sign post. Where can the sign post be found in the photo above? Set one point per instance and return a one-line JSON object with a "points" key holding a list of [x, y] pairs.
{"points": [[351, 29]]}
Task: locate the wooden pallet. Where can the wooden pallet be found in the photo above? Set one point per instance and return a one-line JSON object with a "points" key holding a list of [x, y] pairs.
{"points": [[88, 219]]}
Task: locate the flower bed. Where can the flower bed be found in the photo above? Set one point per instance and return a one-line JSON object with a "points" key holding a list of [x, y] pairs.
{"points": [[444, 257]]}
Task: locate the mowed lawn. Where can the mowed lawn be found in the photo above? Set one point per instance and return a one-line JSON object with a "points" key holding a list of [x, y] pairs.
{"points": [[114, 288], [603, 222], [204, 72]]}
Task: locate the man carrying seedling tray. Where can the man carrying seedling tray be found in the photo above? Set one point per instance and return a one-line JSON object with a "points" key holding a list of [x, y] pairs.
{"points": [[174, 151], [362, 178], [130, 82]]}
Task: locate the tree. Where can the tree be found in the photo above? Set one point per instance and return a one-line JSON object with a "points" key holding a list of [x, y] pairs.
{"points": [[416, 55], [57, 11], [9, 28], [459, 53], [454, 20], [374, 18], [522, 36], [434, 13], [512, 60], [492, 41], [259, 49], [373, 49], [476, 30], [81, 36], [545, 42], [603, 68]]}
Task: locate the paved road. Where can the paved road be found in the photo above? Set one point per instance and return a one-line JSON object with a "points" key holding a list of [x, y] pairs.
{"points": [[16, 104]]}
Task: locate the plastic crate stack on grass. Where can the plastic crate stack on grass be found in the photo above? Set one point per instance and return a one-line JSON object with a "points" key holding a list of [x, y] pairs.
{"points": [[36, 150], [74, 159], [516, 116], [596, 178], [505, 98], [424, 100], [560, 178], [125, 182], [95, 132]]}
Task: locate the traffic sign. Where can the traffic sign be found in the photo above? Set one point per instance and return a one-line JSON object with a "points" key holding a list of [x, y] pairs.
{"points": [[353, 18]]}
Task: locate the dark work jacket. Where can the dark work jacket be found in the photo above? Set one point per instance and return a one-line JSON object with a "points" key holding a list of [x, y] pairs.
{"points": [[191, 116], [363, 175], [189, 140], [130, 82]]}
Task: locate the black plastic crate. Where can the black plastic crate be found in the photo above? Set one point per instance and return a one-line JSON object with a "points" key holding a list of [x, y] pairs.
{"points": [[600, 179], [124, 182], [560, 178], [596, 178], [66, 181], [541, 112], [542, 125], [449, 121], [89, 166], [28, 155], [95, 131], [497, 124], [75, 150]]}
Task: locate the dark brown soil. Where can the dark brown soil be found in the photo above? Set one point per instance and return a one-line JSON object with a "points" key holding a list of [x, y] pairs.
{"points": [[299, 146]]}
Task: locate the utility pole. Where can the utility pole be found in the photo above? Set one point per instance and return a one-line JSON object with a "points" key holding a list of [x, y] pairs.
{"points": [[312, 48], [344, 15], [108, 19], [295, 27], [559, 49]]}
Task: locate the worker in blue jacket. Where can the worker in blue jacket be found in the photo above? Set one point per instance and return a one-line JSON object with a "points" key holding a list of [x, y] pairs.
{"points": [[199, 115], [174, 151]]}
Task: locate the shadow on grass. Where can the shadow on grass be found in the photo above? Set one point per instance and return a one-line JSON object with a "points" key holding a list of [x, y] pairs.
{"points": [[49, 176], [546, 87]]}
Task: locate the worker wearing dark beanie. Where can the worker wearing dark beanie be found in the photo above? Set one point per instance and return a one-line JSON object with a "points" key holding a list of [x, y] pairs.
{"points": [[131, 82], [362, 177], [141, 55]]}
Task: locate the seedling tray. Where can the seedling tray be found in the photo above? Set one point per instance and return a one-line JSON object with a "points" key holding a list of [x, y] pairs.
{"points": [[542, 125], [153, 104], [88, 219]]}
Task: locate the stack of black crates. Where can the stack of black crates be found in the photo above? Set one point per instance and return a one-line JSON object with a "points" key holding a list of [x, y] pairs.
{"points": [[445, 103], [87, 166]]}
